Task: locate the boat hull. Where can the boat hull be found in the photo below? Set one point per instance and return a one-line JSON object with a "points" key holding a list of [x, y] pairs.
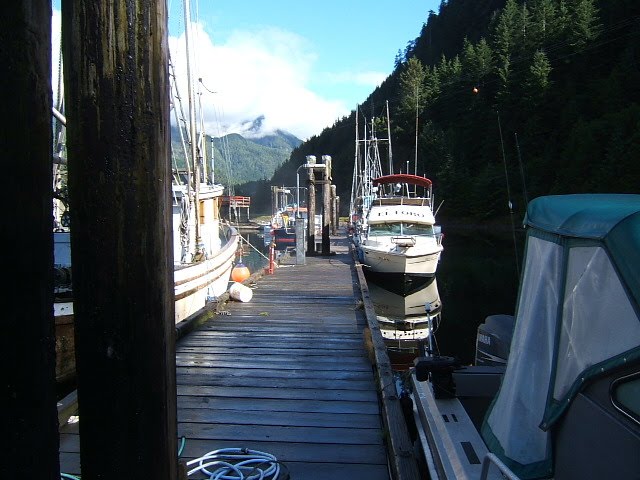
{"points": [[401, 261], [65, 342], [197, 283], [194, 285]]}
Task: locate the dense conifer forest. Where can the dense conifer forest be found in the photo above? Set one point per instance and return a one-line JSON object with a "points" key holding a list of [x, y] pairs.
{"points": [[515, 99]]}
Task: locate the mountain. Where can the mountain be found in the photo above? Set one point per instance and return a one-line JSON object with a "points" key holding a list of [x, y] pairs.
{"points": [[239, 159], [516, 99]]}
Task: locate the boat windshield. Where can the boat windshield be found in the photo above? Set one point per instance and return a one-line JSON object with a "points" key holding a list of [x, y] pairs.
{"points": [[401, 228]]}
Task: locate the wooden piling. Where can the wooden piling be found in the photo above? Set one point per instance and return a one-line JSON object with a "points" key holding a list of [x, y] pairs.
{"points": [[326, 210], [334, 211], [116, 74], [28, 343], [311, 212]]}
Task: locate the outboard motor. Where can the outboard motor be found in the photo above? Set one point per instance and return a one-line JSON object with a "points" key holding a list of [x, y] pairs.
{"points": [[439, 370], [493, 340]]}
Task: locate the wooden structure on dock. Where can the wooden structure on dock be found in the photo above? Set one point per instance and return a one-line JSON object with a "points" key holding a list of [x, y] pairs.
{"points": [[319, 174], [235, 208]]}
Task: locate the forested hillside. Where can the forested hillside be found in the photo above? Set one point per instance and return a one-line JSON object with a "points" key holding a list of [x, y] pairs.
{"points": [[238, 159], [515, 99]]}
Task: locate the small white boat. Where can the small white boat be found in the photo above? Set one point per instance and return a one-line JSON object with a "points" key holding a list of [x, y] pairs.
{"points": [[401, 236]]}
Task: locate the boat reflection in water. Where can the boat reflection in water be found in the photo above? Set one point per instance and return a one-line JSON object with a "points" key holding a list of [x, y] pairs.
{"points": [[406, 320]]}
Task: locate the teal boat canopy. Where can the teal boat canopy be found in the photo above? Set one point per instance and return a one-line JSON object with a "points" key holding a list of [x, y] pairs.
{"points": [[577, 317], [611, 218]]}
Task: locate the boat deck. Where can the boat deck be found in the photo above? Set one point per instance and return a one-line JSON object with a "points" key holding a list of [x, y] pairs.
{"points": [[286, 373]]}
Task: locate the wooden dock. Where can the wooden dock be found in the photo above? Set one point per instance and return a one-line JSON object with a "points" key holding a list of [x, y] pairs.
{"points": [[286, 373]]}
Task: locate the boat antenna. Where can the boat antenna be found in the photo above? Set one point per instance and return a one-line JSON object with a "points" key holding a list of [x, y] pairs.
{"points": [[506, 175], [415, 162], [389, 140]]}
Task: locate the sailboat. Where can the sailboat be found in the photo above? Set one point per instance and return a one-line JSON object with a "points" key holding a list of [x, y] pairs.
{"points": [[393, 220], [204, 247]]}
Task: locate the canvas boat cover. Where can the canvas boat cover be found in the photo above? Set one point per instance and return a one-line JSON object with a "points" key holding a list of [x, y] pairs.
{"points": [[577, 317]]}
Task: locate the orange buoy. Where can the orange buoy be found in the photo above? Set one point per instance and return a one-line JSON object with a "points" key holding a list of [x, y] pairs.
{"points": [[240, 273]]}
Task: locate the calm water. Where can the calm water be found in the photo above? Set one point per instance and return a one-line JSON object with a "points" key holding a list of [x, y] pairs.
{"points": [[251, 258]]}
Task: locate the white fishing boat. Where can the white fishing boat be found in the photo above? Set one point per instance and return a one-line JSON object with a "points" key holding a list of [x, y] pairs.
{"points": [[392, 221], [567, 403], [401, 235], [201, 269], [204, 247]]}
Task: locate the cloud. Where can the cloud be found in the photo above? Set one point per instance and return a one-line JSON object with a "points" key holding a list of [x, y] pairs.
{"points": [[368, 79], [264, 72], [259, 73]]}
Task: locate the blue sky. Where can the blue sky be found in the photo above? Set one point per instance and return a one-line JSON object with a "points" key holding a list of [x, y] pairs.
{"points": [[300, 64]]}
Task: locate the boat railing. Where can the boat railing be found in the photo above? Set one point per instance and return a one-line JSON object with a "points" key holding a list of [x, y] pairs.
{"points": [[404, 241], [489, 459], [420, 201]]}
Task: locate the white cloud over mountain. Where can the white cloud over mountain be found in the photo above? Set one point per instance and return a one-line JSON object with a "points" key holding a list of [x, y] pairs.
{"points": [[264, 73]]}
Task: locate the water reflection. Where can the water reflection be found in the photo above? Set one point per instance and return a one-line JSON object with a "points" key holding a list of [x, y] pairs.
{"points": [[255, 253], [406, 319]]}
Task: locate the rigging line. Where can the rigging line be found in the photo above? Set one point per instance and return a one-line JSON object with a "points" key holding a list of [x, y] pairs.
{"points": [[205, 87], [179, 115], [227, 156], [249, 243], [506, 174], [223, 150]]}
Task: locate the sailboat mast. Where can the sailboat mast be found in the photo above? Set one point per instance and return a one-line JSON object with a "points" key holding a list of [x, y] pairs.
{"points": [[389, 140], [415, 162], [192, 123], [357, 174]]}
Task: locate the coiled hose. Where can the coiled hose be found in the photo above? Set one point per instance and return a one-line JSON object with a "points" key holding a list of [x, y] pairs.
{"points": [[237, 464]]}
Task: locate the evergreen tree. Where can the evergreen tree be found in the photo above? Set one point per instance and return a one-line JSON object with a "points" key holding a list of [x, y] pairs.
{"points": [[504, 38], [412, 91], [506, 30], [563, 17], [544, 22], [398, 60], [538, 81], [477, 61], [540, 70], [584, 26]]}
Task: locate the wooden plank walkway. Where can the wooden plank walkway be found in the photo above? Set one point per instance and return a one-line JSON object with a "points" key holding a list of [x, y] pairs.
{"points": [[286, 373]]}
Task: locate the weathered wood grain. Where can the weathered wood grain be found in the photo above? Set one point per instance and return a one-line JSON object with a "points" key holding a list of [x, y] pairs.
{"points": [[287, 374]]}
